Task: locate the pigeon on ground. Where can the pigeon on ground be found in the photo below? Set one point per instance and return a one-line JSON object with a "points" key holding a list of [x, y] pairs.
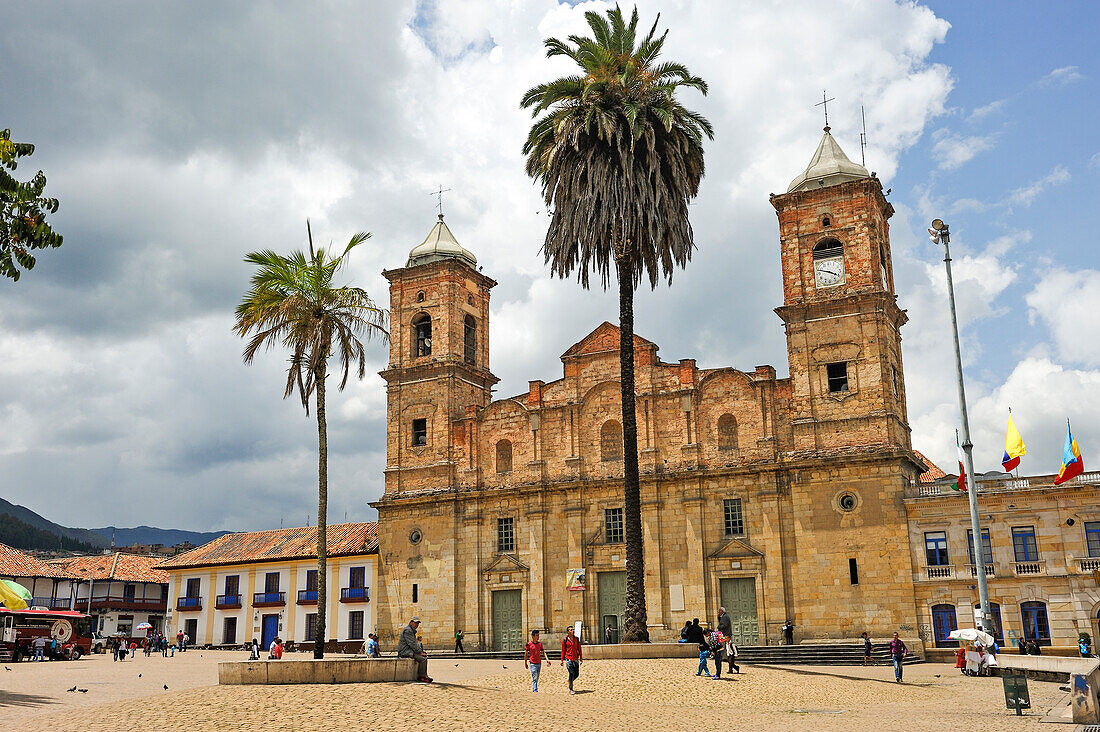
{"points": [[83, 691], [72, 689], [166, 687], [7, 669], [456, 665], [139, 676]]}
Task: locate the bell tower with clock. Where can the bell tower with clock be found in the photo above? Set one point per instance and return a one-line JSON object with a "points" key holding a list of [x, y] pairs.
{"points": [[841, 315]]}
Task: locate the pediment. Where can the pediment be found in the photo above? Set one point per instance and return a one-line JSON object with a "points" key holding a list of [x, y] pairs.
{"points": [[736, 549], [506, 563], [603, 339]]}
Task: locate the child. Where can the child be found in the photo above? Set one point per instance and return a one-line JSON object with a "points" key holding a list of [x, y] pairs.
{"points": [[704, 651], [532, 658]]}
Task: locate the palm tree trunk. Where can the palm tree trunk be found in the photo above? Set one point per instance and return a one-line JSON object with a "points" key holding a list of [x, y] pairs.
{"points": [[636, 630], [322, 517]]}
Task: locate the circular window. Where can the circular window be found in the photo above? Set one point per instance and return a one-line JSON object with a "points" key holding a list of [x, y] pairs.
{"points": [[420, 296], [847, 501], [469, 299], [415, 536]]}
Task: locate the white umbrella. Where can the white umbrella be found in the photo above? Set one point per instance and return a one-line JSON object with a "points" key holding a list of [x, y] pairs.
{"points": [[972, 635]]}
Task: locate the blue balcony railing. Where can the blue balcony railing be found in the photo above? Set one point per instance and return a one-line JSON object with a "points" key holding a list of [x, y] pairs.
{"points": [[307, 597], [355, 594], [189, 603], [267, 599], [227, 601]]}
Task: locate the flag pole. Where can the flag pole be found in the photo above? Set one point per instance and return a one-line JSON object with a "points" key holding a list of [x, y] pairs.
{"points": [[941, 235]]}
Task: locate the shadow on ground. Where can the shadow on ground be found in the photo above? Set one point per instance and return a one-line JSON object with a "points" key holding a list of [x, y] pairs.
{"points": [[808, 672], [13, 699]]}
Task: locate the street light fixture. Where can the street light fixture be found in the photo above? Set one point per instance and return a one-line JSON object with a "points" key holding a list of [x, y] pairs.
{"points": [[940, 233]]}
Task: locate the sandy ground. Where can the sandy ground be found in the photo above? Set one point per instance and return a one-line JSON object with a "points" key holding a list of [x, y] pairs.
{"points": [[650, 695]]}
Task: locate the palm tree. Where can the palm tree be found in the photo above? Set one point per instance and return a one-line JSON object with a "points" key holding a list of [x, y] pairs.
{"points": [[293, 303], [618, 159]]}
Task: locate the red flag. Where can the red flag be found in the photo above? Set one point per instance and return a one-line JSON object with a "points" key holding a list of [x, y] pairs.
{"points": [[960, 484]]}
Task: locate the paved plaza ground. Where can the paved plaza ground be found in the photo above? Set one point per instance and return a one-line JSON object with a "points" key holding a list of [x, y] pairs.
{"points": [[489, 695]]}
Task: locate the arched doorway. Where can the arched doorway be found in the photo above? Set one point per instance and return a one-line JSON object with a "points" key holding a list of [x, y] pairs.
{"points": [[943, 622]]}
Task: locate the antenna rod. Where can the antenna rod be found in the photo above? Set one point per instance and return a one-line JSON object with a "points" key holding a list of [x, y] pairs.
{"points": [[863, 137]]}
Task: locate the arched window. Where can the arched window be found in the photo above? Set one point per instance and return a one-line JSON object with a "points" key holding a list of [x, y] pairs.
{"points": [[422, 335], [943, 622], [727, 432], [994, 619], [611, 441], [827, 248], [504, 456], [1036, 627], [469, 339]]}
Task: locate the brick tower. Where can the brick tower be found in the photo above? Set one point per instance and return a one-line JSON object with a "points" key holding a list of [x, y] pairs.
{"points": [[841, 315], [439, 359]]}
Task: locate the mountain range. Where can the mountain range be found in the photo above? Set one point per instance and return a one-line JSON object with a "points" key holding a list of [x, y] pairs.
{"points": [[101, 537]]}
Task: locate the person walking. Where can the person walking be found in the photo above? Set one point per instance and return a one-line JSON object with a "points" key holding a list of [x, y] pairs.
{"points": [[186, 641], [458, 642], [731, 654], [717, 643], [179, 640], [39, 646], [898, 652], [532, 659], [571, 656], [409, 647], [704, 654], [868, 650]]}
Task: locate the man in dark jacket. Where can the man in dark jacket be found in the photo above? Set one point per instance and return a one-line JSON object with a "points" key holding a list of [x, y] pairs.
{"points": [[409, 647], [695, 633], [725, 625]]}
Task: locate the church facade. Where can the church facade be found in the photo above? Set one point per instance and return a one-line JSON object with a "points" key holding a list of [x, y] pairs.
{"points": [[777, 498]]}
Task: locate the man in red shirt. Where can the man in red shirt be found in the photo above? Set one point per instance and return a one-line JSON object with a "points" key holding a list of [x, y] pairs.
{"points": [[532, 658], [571, 656]]}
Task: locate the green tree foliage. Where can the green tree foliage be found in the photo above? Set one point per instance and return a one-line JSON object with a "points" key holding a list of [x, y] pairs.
{"points": [[618, 159], [23, 210], [294, 304], [21, 535]]}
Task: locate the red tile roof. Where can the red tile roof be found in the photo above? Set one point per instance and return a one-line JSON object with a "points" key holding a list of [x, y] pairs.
{"points": [[934, 473], [267, 546], [14, 563], [118, 567]]}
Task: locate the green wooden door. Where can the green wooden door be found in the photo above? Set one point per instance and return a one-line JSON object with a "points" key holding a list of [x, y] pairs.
{"points": [[739, 599], [611, 591], [507, 620]]}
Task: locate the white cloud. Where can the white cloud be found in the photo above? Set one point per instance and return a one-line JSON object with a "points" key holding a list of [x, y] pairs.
{"points": [[985, 110], [1025, 195], [1094, 161], [1061, 76], [953, 150], [1067, 303]]}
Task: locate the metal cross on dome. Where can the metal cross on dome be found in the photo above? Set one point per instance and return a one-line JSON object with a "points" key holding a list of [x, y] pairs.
{"points": [[439, 196], [825, 103]]}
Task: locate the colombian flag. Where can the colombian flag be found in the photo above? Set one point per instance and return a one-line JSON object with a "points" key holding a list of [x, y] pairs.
{"points": [[1014, 446], [960, 484], [1072, 464]]}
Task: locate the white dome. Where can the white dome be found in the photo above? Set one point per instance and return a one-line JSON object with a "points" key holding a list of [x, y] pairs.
{"points": [[440, 244], [828, 167]]}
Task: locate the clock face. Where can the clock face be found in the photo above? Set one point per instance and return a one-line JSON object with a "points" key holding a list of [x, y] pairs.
{"points": [[829, 272]]}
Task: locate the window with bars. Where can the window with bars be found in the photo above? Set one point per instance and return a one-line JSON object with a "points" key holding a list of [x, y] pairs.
{"points": [[734, 520], [1024, 545], [469, 340], [613, 525], [506, 534], [355, 625], [987, 546], [1092, 537], [311, 626]]}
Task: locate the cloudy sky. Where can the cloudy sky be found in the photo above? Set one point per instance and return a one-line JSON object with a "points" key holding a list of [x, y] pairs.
{"points": [[179, 137]]}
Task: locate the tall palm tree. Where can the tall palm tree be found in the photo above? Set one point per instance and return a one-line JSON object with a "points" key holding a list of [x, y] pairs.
{"points": [[618, 159], [293, 303]]}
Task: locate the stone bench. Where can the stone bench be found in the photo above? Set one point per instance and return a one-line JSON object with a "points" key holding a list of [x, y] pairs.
{"points": [[314, 671]]}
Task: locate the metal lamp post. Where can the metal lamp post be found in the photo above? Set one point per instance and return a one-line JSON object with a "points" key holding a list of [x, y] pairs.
{"points": [[941, 234]]}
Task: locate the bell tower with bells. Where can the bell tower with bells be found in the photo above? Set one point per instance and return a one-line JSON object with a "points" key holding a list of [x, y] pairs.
{"points": [[843, 324]]}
